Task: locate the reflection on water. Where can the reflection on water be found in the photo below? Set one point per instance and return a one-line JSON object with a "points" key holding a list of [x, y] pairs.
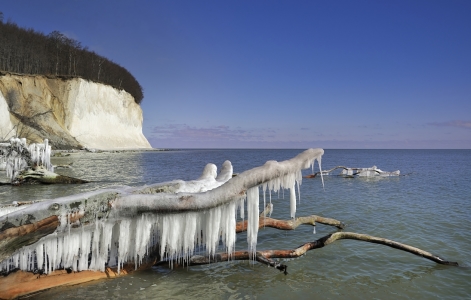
{"points": [[430, 209]]}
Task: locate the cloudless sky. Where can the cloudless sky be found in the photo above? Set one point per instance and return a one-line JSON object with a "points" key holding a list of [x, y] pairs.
{"points": [[282, 74]]}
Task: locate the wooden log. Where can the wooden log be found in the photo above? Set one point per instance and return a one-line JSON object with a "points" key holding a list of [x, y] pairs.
{"points": [[20, 283], [42, 175]]}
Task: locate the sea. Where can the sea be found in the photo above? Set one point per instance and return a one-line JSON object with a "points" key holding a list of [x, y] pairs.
{"points": [[428, 207]]}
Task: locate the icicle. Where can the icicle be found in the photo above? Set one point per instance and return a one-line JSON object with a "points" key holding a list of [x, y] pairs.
{"points": [[320, 171], [113, 261], [40, 256], [264, 188], [242, 208], [124, 242], [143, 229], [292, 199], [252, 219], [96, 257], [229, 228], [85, 242]]}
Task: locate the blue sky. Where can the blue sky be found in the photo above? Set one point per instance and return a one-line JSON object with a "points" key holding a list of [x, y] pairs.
{"points": [[283, 74]]}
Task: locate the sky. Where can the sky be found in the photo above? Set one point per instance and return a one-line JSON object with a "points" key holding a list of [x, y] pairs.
{"points": [[282, 74]]}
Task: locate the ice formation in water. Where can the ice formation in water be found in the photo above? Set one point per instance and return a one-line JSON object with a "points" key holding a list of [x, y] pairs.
{"points": [[14, 156], [3, 156], [200, 217], [361, 172], [41, 154], [367, 172]]}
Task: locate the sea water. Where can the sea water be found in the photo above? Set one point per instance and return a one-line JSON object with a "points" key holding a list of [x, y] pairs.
{"points": [[429, 208]]}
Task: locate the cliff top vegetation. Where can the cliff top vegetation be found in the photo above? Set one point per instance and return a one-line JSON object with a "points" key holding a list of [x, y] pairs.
{"points": [[27, 51]]}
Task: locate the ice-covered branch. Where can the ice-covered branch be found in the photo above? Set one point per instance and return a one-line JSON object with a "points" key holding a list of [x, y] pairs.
{"points": [[272, 176], [176, 216]]}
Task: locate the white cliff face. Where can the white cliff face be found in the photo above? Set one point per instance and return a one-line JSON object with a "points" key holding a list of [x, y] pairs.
{"points": [[6, 126], [103, 117], [72, 113]]}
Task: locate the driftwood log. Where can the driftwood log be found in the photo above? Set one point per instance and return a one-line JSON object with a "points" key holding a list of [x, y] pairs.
{"points": [[41, 175]]}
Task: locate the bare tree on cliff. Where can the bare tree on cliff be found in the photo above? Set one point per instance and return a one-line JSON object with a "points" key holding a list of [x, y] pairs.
{"points": [[30, 52]]}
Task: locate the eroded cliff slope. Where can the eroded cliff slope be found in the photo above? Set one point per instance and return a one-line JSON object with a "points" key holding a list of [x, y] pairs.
{"points": [[71, 113]]}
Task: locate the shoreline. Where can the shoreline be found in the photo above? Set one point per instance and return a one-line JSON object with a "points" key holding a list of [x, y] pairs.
{"points": [[93, 150]]}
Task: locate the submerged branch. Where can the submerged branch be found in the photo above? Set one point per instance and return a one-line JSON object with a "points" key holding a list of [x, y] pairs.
{"points": [[290, 224], [265, 256]]}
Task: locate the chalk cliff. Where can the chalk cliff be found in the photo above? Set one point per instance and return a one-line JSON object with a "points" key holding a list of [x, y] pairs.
{"points": [[71, 113]]}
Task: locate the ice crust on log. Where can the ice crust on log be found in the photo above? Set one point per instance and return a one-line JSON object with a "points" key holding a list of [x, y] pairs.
{"points": [[115, 226]]}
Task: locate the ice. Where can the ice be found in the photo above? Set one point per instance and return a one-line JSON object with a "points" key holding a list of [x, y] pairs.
{"points": [[252, 218], [191, 217], [367, 172], [319, 159], [242, 208], [14, 156], [4, 210], [14, 159], [124, 241], [208, 180], [41, 154], [226, 172], [292, 198]]}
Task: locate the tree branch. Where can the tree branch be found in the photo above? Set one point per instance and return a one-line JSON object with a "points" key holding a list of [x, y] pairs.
{"points": [[265, 256], [290, 224]]}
